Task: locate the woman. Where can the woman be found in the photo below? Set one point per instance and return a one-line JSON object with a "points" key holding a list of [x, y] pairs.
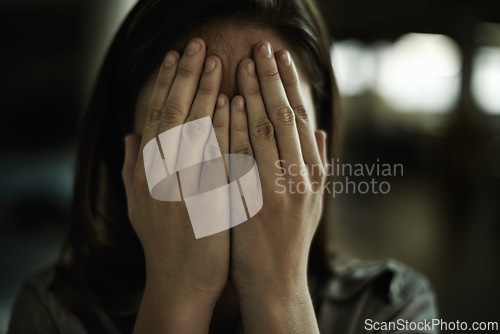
{"points": [[260, 69]]}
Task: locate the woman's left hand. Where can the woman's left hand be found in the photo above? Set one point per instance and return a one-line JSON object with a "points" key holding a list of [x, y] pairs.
{"points": [[269, 253]]}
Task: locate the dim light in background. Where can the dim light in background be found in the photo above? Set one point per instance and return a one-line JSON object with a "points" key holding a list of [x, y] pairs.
{"points": [[355, 66], [420, 73], [417, 73], [485, 83]]}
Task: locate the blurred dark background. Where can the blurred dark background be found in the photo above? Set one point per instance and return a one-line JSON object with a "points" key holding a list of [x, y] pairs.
{"points": [[420, 83]]}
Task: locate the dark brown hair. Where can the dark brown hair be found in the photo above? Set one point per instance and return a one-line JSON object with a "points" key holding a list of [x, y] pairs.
{"points": [[102, 260]]}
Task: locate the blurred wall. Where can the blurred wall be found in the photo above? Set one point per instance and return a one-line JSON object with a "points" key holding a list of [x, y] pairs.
{"points": [[441, 216], [41, 74]]}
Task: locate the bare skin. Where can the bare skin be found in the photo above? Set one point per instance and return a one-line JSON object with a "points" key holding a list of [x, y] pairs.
{"points": [[192, 282]]}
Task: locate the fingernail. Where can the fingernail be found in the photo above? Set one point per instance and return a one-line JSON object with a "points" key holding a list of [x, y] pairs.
{"points": [[221, 102], [240, 105], [265, 50], [286, 59], [193, 48], [209, 65], [251, 69], [170, 60]]}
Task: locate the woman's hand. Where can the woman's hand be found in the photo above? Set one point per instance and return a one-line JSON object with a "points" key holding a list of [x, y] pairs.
{"points": [[269, 252], [185, 275]]}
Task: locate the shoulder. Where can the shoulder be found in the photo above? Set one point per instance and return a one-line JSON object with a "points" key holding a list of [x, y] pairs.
{"points": [[388, 279], [364, 292], [36, 309]]}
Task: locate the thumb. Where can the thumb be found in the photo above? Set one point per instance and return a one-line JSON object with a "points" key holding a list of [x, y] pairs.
{"points": [[321, 142], [130, 161]]}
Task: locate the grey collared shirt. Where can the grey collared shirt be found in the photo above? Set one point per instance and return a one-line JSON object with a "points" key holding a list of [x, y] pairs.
{"points": [[360, 297]]}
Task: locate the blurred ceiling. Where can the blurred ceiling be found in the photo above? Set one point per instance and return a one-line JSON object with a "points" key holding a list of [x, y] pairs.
{"points": [[388, 19], [45, 52]]}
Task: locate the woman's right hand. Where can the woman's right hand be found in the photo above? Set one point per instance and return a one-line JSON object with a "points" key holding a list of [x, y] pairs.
{"points": [[185, 275]]}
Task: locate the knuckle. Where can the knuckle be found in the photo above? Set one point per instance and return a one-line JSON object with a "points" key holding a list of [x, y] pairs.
{"points": [[290, 80], [239, 126], [196, 131], [220, 123], [207, 87], [163, 85], [213, 150], [244, 150], [196, 128], [263, 129], [152, 116], [301, 113], [172, 114], [272, 74], [253, 90], [186, 72], [285, 116]]}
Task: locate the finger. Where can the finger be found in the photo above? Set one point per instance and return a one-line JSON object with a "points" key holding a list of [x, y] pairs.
{"points": [[164, 80], [184, 87], [240, 140], [303, 118], [320, 138], [260, 128], [221, 122], [212, 173], [206, 96], [278, 108], [241, 160], [162, 88]]}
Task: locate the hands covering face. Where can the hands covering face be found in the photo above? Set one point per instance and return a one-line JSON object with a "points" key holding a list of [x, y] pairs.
{"points": [[269, 121]]}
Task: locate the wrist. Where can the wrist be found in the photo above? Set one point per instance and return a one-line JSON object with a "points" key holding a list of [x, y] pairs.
{"points": [[180, 290], [166, 310], [281, 291], [284, 309], [269, 283]]}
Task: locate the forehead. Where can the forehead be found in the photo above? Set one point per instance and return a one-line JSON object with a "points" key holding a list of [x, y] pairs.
{"points": [[231, 43]]}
